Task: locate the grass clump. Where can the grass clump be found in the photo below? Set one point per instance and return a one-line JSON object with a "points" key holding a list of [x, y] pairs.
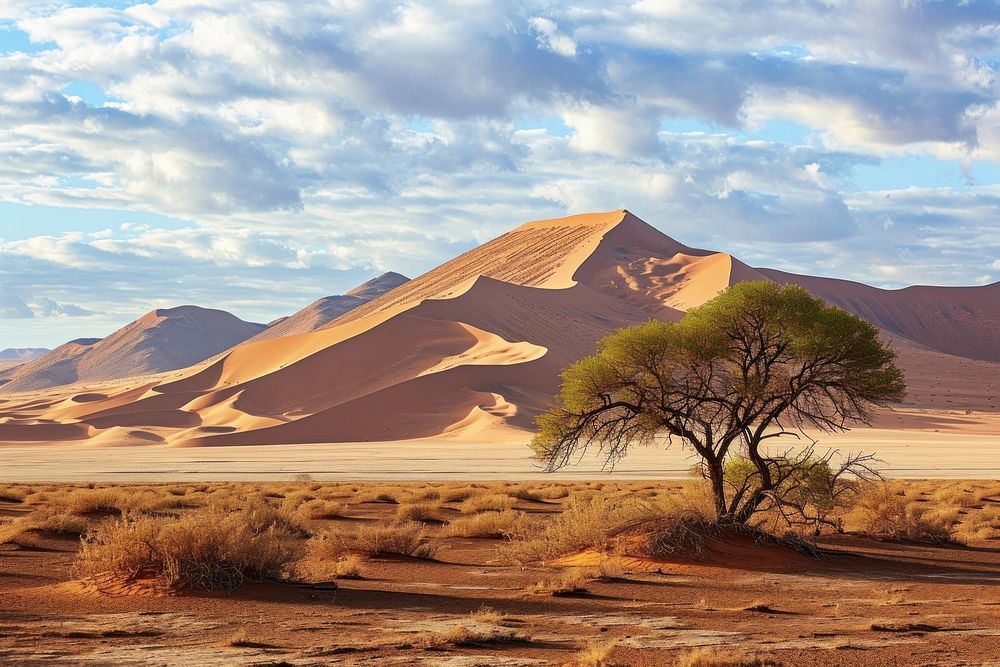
{"points": [[207, 549], [493, 525], [586, 523], [885, 513], [569, 582], [595, 655], [318, 508], [403, 539], [23, 531], [489, 502], [417, 512]]}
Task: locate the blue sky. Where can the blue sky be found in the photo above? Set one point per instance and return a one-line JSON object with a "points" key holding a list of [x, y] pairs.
{"points": [[256, 157]]}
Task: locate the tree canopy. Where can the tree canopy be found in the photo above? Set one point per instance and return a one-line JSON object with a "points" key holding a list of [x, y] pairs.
{"points": [[746, 367]]}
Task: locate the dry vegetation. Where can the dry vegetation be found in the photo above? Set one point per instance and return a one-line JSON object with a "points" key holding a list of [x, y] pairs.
{"points": [[224, 535]]}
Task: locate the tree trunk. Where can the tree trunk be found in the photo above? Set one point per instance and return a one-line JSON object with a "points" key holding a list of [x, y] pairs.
{"points": [[718, 488]]}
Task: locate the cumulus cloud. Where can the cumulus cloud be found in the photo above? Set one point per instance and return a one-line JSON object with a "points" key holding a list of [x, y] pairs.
{"points": [[12, 307], [302, 146]]}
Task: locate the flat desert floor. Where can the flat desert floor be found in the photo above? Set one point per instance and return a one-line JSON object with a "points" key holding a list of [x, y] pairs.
{"points": [[941, 446], [861, 602]]}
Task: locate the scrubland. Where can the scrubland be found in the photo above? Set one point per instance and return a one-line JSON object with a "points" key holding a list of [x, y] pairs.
{"points": [[590, 573]]}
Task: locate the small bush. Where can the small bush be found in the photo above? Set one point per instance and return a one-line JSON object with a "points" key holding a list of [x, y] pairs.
{"points": [[883, 512], [586, 523], [324, 560], [23, 530], [494, 525], [320, 509], [207, 549], [595, 655], [492, 502], [404, 539], [567, 583], [417, 512]]}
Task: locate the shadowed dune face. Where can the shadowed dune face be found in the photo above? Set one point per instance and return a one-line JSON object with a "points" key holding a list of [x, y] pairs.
{"points": [[475, 347], [161, 340]]}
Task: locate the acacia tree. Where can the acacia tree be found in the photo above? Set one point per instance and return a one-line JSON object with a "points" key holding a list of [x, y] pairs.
{"points": [[751, 365]]}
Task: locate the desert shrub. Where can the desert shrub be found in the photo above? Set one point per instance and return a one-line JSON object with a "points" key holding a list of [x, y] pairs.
{"points": [[405, 539], [586, 523], [884, 512], [417, 512], [461, 635], [320, 509], [492, 502], [595, 655], [714, 657], [981, 525], [12, 495], [92, 501], [382, 494], [23, 530], [206, 549], [453, 494], [567, 582], [488, 524], [324, 559]]}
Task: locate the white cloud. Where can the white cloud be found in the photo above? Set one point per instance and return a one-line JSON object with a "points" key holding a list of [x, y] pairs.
{"points": [[550, 38]]}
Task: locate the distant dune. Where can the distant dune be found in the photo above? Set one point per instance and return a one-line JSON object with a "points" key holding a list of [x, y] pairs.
{"points": [[161, 340], [473, 348], [21, 354], [329, 308]]}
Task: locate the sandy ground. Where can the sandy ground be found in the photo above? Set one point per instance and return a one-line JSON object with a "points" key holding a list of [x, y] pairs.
{"points": [[951, 447], [863, 603]]}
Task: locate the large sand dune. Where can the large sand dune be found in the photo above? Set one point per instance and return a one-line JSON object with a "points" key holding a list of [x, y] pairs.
{"points": [[161, 340], [473, 349]]}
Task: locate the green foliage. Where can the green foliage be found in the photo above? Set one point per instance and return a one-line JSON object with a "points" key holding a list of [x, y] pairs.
{"points": [[727, 375]]}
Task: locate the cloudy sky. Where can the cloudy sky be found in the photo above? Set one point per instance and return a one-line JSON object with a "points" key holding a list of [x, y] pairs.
{"points": [[256, 156]]}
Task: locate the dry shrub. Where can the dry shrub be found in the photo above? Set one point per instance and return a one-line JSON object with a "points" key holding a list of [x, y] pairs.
{"points": [[586, 523], [487, 615], [492, 502], [92, 501], [595, 655], [981, 525], [320, 509], [568, 582], [453, 494], [884, 512], [207, 549], [403, 539], [714, 657], [494, 525], [685, 534], [417, 512], [324, 561], [383, 494], [12, 495], [460, 635], [23, 530]]}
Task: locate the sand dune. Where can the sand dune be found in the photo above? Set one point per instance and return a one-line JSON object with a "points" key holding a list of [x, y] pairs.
{"points": [[474, 348], [329, 308], [160, 340]]}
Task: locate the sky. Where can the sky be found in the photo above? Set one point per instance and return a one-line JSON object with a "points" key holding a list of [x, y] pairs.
{"points": [[256, 156]]}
